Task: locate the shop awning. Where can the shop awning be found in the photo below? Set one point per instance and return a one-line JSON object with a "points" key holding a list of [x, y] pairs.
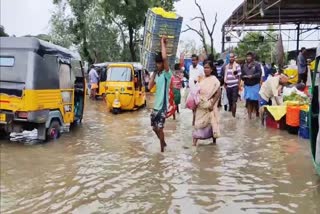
{"points": [[268, 12]]}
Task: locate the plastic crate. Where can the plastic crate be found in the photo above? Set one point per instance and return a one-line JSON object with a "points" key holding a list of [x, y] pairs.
{"points": [[162, 26], [304, 132], [271, 123], [304, 118], [152, 43], [148, 60], [155, 27]]}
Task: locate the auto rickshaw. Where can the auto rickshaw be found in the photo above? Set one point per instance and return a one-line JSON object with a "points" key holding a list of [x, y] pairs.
{"points": [[102, 71], [125, 88], [42, 87]]}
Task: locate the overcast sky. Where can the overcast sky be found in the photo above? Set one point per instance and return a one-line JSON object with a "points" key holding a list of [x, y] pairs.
{"points": [[22, 17]]}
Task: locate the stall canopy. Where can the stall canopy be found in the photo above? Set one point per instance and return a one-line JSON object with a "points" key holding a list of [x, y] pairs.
{"points": [[273, 12]]}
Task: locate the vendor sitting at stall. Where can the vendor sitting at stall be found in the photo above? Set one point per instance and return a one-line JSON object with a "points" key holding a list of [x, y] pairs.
{"points": [[271, 89]]}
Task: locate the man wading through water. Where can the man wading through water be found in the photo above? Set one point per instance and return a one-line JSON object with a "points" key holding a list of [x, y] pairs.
{"points": [[161, 78], [196, 74], [251, 75], [232, 81]]}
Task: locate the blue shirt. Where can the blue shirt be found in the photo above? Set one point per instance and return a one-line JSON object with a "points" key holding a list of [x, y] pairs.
{"points": [[163, 84]]}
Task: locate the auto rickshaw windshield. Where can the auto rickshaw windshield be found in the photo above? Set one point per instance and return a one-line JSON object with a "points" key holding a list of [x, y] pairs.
{"points": [[6, 61], [119, 74]]}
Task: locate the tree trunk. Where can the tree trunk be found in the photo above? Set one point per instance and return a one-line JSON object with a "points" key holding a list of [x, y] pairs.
{"points": [[131, 44], [211, 47], [205, 46]]}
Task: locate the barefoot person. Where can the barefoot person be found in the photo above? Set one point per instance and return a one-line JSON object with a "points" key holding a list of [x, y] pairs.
{"points": [[251, 75], [94, 79], [232, 80], [207, 113], [177, 85], [161, 78]]}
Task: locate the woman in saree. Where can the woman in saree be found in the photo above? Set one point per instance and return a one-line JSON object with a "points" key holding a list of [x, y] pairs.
{"points": [[206, 121]]}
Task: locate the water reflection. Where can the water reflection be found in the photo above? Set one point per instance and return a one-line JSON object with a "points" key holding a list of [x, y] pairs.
{"points": [[112, 164]]}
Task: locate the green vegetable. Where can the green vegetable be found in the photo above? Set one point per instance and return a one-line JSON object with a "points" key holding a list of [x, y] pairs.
{"points": [[303, 100]]}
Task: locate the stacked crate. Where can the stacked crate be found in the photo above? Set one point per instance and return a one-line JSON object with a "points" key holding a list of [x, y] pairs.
{"points": [[155, 27], [304, 124]]}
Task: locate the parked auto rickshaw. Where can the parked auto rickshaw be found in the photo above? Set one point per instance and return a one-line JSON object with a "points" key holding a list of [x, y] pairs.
{"points": [[102, 71], [125, 88], [42, 86]]}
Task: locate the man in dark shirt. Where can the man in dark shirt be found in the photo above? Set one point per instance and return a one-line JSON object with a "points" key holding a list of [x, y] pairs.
{"points": [[251, 75], [302, 66]]}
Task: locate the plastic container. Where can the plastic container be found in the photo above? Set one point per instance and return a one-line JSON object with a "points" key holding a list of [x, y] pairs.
{"points": [[304, 132], [155, 27], [292, 129], [148, 60], [293, 116], [270, 122], [163, 26], [304, 118]]}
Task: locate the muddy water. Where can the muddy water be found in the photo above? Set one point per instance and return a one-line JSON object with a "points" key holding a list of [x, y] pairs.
{"points": [[112, 164]]}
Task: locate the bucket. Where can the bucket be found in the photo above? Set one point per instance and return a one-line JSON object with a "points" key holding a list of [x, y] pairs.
{"points": [[293, 116], [304, 132]]}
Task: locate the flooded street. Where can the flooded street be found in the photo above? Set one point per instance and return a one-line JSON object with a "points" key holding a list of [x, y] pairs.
{"points": [[112, 164]]}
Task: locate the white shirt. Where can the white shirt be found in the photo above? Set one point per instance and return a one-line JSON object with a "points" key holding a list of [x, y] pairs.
{"points": [[262, 71], [194, 74], [270, 88]]}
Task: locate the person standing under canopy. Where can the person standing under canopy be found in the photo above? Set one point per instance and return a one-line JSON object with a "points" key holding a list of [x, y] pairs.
{"points": [[302, 66], [161, 78], [251, 75]]}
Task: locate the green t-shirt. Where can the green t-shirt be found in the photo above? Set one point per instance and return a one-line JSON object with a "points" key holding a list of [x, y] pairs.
{"points": [[161, 80]]}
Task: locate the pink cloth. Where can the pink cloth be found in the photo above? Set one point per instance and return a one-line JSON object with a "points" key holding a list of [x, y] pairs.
{"points": [[193, 98], [176, 81]]}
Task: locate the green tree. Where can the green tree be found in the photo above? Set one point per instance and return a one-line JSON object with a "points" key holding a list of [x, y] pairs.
{"points": [[97, 26], [165, 4], [60, 30], [43, 37], [78, 24], [129, 16], [259, 43], [2, 32], [92, 34]]}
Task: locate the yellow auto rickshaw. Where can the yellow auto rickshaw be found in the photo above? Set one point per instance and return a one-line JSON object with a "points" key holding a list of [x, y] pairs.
{"points": [[102, 71], [125, 88], [42, 86]]}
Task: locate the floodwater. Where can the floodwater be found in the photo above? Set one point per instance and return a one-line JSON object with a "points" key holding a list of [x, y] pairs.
{"points": [[112, 164]]}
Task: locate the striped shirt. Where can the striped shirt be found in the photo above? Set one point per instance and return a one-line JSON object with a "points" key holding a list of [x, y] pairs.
{"points": [[231, 79]]}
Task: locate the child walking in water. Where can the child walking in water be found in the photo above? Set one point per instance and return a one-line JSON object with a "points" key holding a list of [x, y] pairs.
{"points": [[177, 79]]}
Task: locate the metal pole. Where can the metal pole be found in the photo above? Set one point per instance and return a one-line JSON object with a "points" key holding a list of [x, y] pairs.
{"points": [[223, 35], [298, 38]]}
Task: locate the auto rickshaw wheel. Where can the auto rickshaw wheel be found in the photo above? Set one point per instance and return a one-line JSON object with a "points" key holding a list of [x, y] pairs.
{"points": [[53, 132]]}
